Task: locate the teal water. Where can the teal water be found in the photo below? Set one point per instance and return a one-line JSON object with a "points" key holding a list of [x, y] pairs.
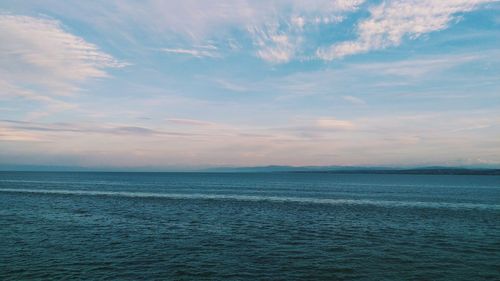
{"points": [[276, 226]]}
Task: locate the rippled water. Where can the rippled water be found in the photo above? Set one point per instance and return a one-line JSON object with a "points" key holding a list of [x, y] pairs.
{"points": [[194, 226]]}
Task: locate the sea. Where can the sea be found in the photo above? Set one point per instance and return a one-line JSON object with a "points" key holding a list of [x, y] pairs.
{"points": [[248, 226]]}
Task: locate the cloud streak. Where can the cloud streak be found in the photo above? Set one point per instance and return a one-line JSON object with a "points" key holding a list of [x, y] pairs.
{"points": [[333, 123], [207, 51]]}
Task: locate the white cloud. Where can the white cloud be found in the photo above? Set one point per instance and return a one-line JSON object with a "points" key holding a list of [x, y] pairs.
{"points": [[421, 66], [280, 30], [199, 18], [392, 21], [9, 91], [281, 37], [8, 134], [274, 46], [332, 123], [189, 122], [354, 100], [38, 55], [205, 51], [231, 86], [276, 27], [434, 137]]}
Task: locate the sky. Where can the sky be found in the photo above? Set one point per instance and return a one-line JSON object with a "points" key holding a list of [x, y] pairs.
{"points": [[194, 83]]}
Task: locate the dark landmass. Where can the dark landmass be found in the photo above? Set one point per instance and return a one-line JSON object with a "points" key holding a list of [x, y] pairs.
{"points": [[276, 168], [434, 170], [361, 170], [445, 171]]}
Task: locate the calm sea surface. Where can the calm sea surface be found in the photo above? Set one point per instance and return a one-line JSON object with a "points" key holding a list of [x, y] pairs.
{"points": [[276, 226]]}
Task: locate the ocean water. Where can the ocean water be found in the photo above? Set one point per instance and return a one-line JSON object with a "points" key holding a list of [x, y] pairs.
{"points": [[275, 226]]}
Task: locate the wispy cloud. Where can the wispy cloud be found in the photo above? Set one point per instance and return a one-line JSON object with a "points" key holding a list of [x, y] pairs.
{"points": [[276, 48], [204, 51], [280, 31], [354, 81], [242, 82], [189, 122], [39, 48], [41, 60], [21, 126], [333, 123], [50, 104], [354, 100], [391, 21], [231, 86], [377, 139], [8, 134], [280, 39], [422, 66], [276, 27]]}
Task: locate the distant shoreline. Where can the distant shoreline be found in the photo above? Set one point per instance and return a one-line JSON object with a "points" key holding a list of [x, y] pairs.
{"points": [[471, 172], [362, 170], [291, 170]]}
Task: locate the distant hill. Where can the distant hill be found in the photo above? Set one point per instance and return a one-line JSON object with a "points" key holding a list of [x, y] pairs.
{"points": [[358, 170], [276, 168], [435, 170]]}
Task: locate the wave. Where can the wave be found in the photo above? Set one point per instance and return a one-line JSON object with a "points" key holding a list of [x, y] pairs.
{"points": [[253, 198]]}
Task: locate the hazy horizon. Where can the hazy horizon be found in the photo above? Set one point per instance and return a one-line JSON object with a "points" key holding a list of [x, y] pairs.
{"points": [[201, 168], [199, 84]]}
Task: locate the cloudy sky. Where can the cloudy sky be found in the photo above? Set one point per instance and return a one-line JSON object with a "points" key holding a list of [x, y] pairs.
{"points": [[199, 83]]}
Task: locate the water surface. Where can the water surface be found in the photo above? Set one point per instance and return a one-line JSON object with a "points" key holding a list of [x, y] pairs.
{"points": [[279, 226]]}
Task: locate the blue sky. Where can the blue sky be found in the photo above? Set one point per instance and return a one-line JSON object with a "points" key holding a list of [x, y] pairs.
{"points": [[169, 84]]}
